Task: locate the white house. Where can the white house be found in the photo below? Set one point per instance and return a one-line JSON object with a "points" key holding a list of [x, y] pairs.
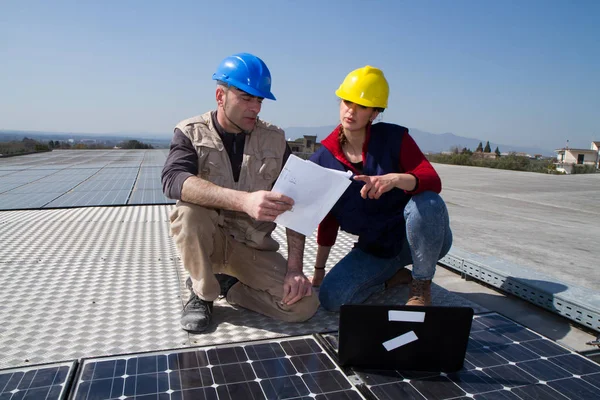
{"points": [[567, 158]]}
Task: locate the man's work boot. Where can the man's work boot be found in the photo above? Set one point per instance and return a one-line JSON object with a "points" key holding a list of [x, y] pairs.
{"points": [[402, 277], [420, 293], [225, 282], [197, 313]]}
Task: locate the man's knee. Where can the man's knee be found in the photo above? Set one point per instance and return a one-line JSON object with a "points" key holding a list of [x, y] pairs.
{"points": [[302, 310]]}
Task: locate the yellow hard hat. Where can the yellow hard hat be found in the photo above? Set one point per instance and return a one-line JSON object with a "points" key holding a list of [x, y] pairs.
{"points": [[365, 86]]}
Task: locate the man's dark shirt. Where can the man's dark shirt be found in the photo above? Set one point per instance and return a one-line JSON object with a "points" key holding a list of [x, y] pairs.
{"points": [[182, 161]]}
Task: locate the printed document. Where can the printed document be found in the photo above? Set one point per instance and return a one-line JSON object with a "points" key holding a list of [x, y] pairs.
{"points": [[314, 189]]}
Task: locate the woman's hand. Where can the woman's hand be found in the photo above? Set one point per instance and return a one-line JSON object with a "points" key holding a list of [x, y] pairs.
{"points": [[377, 185]]}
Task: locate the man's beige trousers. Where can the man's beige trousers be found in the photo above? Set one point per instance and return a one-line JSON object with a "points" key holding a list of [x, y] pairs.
{"points": [[206, 250]]}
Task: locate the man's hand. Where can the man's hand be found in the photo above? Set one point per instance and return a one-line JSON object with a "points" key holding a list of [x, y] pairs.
{"points": [[266, 206], [318, 277], [295, 286]]}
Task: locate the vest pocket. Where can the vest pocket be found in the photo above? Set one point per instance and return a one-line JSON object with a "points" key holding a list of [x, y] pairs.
{"points": [[263, 169], [211, 166]]}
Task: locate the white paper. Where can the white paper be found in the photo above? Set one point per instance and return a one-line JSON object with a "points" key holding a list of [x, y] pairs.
{"points": [[314, 189]]}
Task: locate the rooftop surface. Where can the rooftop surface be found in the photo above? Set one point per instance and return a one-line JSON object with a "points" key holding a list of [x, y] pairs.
{"points": [[81, 282]]}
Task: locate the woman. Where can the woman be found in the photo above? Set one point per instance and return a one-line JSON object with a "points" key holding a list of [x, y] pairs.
{"points": [[392, 204]]}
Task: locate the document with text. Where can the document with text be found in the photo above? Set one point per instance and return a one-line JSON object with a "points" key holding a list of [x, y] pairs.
{"points": [[314, 189]]}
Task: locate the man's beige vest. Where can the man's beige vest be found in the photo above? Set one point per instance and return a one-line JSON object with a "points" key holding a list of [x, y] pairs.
{"points": [[262, 161]]}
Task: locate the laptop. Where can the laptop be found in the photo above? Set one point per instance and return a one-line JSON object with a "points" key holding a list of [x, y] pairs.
{"points": [[404, 337]]}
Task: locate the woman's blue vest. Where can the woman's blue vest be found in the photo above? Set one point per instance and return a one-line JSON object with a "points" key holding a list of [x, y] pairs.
{"points": [[378, 223]]}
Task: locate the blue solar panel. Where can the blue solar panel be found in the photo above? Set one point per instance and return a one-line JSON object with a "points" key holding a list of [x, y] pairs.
{"points": [[22, 201], [504, 360], [155, 196], [92, 198], [48, 382], [279, 369]]}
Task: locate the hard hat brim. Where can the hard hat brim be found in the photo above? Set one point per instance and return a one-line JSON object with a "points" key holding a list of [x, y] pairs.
{"points": [[245, 88]]}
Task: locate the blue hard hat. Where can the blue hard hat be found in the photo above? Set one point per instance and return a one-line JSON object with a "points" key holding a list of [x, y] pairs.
{"points": [[246, 72]]}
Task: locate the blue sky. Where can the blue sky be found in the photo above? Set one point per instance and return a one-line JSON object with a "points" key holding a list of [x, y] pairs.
{"points": [[514, 72]]}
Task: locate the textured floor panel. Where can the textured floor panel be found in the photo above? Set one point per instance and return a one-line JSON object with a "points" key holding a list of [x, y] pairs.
{"points": [[86, 242], [64, 310], [83, 282], [89, 214]]}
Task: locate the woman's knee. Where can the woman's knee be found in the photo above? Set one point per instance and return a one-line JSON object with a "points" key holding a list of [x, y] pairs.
{"points": [[426, 205], [331, 296]]}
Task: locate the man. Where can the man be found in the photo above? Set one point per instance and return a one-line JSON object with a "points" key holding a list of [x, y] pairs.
{"points": [[220, 168]]}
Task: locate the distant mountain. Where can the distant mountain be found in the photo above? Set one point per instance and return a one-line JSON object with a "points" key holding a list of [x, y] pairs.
{"points": [[156, 140], [428, 142], [435, 143]]}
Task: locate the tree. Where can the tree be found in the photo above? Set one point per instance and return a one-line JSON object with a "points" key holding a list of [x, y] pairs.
{"points": [[497, 151], [479, 148], [487, 149], [134, 144]]}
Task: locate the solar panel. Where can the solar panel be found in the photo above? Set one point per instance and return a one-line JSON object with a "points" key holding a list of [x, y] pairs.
{"points": [[24, 200], [117, 173], [40, 382], [92, 198], [5, 187], [39, 187], [155, 196], [291, 368], [7, 168], [504, 360], [104, 185], [149, 178], [16, 178]]}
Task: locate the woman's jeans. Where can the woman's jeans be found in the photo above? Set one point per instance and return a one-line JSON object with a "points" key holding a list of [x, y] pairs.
{"points": [[359, 275]]}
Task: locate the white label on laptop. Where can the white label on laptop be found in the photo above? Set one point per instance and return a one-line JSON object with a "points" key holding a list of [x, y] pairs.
{"points": [[399, 341], [406, 316]]}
